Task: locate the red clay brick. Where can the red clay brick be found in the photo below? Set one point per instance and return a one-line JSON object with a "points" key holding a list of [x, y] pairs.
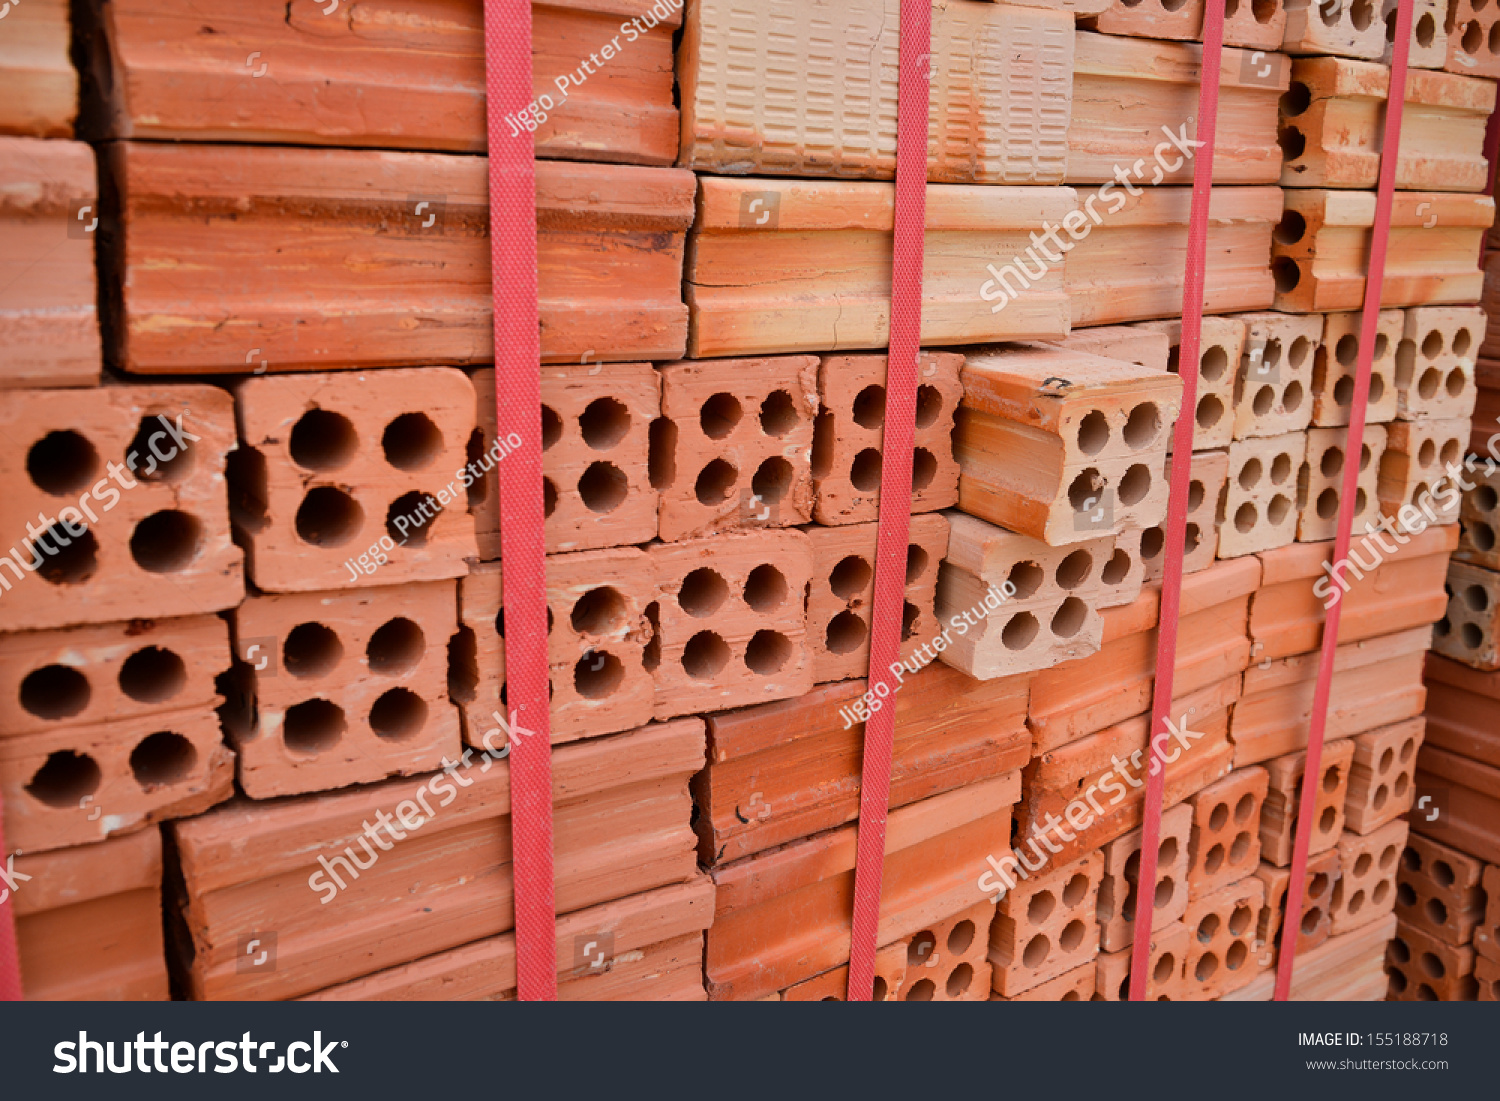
{"points": [[1225, 843], [1222, 954], [1441, 891], [1381, 775], [1425, 969], [1366, 887], [948, 961], [1317, 899], [1278, 820], [1045, 927], [1119, 891]]}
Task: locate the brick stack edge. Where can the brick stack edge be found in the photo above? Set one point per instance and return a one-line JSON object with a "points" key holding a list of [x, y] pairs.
{"points": [[251, 451]]}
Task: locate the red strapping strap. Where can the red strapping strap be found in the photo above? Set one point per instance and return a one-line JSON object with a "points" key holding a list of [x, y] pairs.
{"points": [[507, 50], [1182, 467], [1369, 320], [10, 956], [895, 484]]}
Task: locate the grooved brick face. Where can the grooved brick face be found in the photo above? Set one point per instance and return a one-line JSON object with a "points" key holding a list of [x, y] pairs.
{"points": [[1278, 822], [1045, 927], [1366, 887], [84, 675], [159, 545], [1336, 362], [1414, 471], [78, 784], [1321, 482], [348, 467], [729, 621], [847, 439], [1467, 630], [1225, 842], [946, 962], [1120, 888], [1222, 953], [49, 328], [596, 428], [1076, 985], [1381, 775], [1442, 891], [1435, 362], [348, 687], [1472, 39], [1260, 501], [841, 597], [732, 451]]}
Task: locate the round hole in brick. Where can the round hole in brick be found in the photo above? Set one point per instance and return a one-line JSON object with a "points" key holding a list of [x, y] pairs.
{"points": [[851, 577], [1219, 817], [1117, 568], [959, 980], [1075, 890], [549, 498], [917, 561], [1245, 517], [1291, 397], [766, 588], [1463, 338], [604, 487], [1213, 860], [601, 610], [1426, 453], [1165, 888], [702, 593], [715, 482], [311, 650], [1425, 30], [911, 616], [1398, 980], [1331, 780], [1476, 598], [409, 519], [719, 415], [1297, 354], [399, 713], [1070, 618], [1456, 381], [1328, 504], [1332, 462], [1406, 895], [162, 759], [929, 406], [153, 674], [879, 991], [1293, 144], [1311, 920], [1343, 391], [64, 779], [1427, 385], [869, 407], [603, 423], [1382, 889], [1074, 570], [1281, 468], [166, 541], [1135, 485], [923, 469], [1239, 920], [705, 655], [1244, 808], [1208, 966], [864, 472], [1433, 966], [1093, 433], [1072, 935], [772, 480], [1406, 362], [919, 949], [168, 461], [1040, 908], [597, 675], [1450, 452], [1346, 351], [960, 937], [1191, 537], [411, 441], [1026, 578], [1292, 227], [1085, 490], [322, 440], [767, 652], [1361, 14], [778, 414], [1494, 38], [1387, 759], [1382, 347], [1165, 968], [1036, 951], [1327, 820], [1210, 411], [396, 647], [1425, 993], [1443, 873], [1472, 636], [923, 990], [1401, 785], [1214, 363], [1286, 273], [1250, 474], [55, 692], [1436, 912], [73, 560], [1020, 631], [846, 633], [1235, 955], [1432, 344], [1167, 851], [1240, 848], [1279, 508], [1142, 426], [62, 462], [552, 427], [329, 517], [1298, 97], [1152, 542]]}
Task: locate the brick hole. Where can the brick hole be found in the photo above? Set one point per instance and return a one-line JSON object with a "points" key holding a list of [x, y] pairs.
{"points": [[917, 560], [715, 482], [1433, 966], [778, 414], [1165, 889], [1135, 484], [150, 466], [1142, 426], [500, 621], [603, 487], [1332, 462], [651, 655], [1038, 948], [1279, 508], [765, 588], [549, 498], [1361, 14], [719, 415], [1285, 270], [1026, 578], [705, 655], [166, 541], [1398, 981], [824, 441], [1456, 380], [1040, 908], [1399, 950], [1281, 468], [245, 473], [869, 406], [597, 674], [1401, 785], [62, 462], [1072, 935], [1210, 411], [1263, 10], [1246, 517], [1425, 993], [1165, 967], [1124, 992], [322, 440], [923, 990], [1074, 570], [1485, 498], [1476, 598], [1328, 504], [1427, 385], [881, 990], [1219, 818], [411, 441], [1069, 618], [603, 423], [1297, 98], [153, 674], [408, 507], [1213, 364], [911, 616], [329, 517], [960, 937], [1327, 820], [919, 950], [1093, 433], [1208, 965], [1436, 912], [1250, 474], [961, 978], [702, 592], [923, 469], [1240, 848], [1362, 865], [1450, 452], [864, 472], [1406, 895], [772, 480], [1463, 338], [1382, 889], [767, 652], [1472, 636], [311, 650], [1166, 852], [1117, 568], [1244, 808], [162, 759], [929, 405], [661, 462], [1173, 5], [1292, 141], [1387, 759], [552, 427], [1443, 873], [396, 647], [55, 692], [1208, 928], [1240, 919], [1311, 920], [398, 714], [479, 479], [1235, 956], [1085, 489], [1406, 362], [1020, 631], [463, 666], [1075, 890], [1132, 877], [851, 578], [1213, 860], [64, 779]]}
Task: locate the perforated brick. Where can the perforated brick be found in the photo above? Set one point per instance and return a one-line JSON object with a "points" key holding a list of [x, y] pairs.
{"points": [[1381, 775], [1314, 923], [1273, 386], [1168, 953], [1366, 887], [1335, 365], [1352, 29], [1479, 517], [1423, 968], [1320, 483], [1260, 498], [1221, 346], [1225, 842], [946, 962], [1442, 891], [1278, 819], [1207, 484], [1467, 631], [1415, 471], [1222, 954], [1435, 361], [1473, 42], [1119, 891], [1046, 927]]}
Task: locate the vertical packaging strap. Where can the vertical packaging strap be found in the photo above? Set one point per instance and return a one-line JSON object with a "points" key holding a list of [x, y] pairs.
{"points": [[10, 952], [1369, 321], [507, 49], [1182, 468], [895, 485]]}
